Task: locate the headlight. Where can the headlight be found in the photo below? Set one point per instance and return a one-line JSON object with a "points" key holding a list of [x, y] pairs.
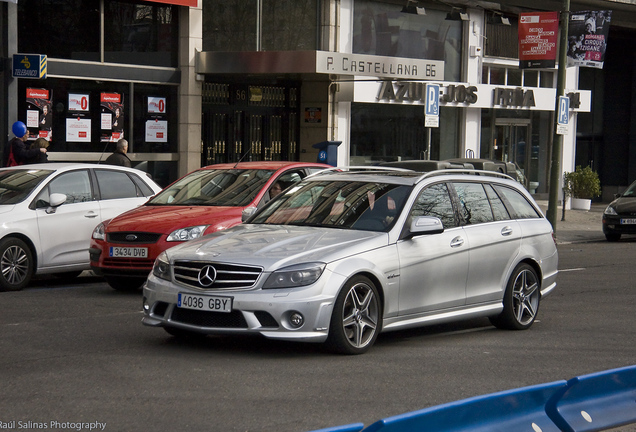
{"points": [[161, 269], [99, 233], [295, 276], [610, 211], [189, 233]]}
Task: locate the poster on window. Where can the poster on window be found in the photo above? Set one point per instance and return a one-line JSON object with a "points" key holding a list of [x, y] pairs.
{"points": [[587, 38], [112, 117], [156, 131], [538, 35], [78, 129], [39, 114], [78, 102]]}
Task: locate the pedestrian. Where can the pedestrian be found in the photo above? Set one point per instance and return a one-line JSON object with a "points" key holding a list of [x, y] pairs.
{"points": [[16, 152], [39, 157], [119, 156]]}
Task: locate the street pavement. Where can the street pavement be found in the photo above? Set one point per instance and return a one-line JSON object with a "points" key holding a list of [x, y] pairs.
{"points": [[579, 226]]}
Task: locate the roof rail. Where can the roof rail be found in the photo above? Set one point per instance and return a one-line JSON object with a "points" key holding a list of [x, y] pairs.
{"points": [[362, 168], [464, 171]]}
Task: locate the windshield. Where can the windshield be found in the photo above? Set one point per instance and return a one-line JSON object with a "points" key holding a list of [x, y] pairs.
{"points": [[631, 190], [366, 206], [227, 187], [16, 185]]}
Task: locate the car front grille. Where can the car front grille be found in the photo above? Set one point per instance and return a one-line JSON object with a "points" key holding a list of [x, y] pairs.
{"points": [[133, 237], [233, 319], [215, 276]]}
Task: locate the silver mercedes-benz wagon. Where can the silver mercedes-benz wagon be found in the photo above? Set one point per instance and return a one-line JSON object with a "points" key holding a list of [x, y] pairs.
{"points": [[346, 254]]}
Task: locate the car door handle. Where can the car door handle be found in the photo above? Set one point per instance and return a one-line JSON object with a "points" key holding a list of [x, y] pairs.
{"points": [[90, 215], [457, 242], [506, 231]]}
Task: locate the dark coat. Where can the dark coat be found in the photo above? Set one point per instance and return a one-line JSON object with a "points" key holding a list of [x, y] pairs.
{"points": [[39, 158], [119, 159], [21, 153]]}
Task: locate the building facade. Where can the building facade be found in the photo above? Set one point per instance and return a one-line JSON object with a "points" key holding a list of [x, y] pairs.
{"points": [[207, 81]]}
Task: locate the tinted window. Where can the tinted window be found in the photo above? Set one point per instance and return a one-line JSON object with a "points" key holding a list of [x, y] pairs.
{"points": [[474, 206], [75, 185], [498, 208], [115, 184], [520, 205], [435, 201]]}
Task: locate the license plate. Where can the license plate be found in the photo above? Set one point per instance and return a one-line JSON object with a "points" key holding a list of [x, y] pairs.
{"points": [[128, 252], [630, 221], [205, 303]]}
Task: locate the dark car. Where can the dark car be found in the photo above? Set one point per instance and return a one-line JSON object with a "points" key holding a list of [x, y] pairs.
{"points": [[620, 215]]}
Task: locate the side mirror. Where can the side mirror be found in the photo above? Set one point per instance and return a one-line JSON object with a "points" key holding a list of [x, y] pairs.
{"points": [[247, 213], [55, 200], [425, 225]]}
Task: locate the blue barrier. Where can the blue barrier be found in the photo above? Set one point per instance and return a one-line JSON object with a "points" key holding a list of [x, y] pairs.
{"points": [[587, 403], [513, 410], [595, 402]]}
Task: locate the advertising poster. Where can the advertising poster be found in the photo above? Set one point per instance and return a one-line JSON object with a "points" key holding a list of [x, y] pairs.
{"points": [[156, 123], [78, 129], [538, 36], [587, 38], [78, 102], [112, 117], [39, 113]]}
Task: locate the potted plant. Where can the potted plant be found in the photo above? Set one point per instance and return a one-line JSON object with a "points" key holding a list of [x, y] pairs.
{"points": [[582, 185]]}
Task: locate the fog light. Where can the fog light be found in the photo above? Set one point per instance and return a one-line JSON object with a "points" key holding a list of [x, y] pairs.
{"points": [[146, 305], [296, 320]]}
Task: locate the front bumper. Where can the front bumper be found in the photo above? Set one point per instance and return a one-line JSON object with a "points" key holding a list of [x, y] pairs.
{"points": [[255, 311], [612, 225]]}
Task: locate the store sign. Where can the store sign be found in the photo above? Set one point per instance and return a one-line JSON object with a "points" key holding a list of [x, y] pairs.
{"points": [[517, 97], [378, 66], [32, 66], [400, 91]]}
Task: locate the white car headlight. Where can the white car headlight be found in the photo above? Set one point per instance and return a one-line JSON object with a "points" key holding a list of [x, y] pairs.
{"points": [[185, 234], [295, 276], [610, 211], [161, 268], [99, 233]]}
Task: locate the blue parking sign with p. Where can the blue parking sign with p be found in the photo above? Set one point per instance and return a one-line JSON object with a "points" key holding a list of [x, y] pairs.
{"points": [[432, 100], [564, 110]]}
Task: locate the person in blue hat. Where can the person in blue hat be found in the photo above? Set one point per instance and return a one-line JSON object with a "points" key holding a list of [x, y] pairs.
{"points": [[17, 152]]}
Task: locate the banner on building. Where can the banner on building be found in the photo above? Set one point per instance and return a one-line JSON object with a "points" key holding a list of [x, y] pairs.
{"points": [[39, 115], [587, 38], [538, 35], [112, 117]]}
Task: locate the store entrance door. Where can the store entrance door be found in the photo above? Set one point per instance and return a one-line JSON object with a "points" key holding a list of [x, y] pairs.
{"points": [[510, 144], [249, 123]]}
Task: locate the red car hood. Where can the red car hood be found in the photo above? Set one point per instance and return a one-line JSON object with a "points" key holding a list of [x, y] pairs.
{"points": [[165, 219]]}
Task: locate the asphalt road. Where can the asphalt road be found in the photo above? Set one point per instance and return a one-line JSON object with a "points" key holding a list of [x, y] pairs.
{"points": [[77, 353]]}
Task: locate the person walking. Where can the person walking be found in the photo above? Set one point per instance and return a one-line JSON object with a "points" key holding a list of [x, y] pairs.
{"points": [[119, 156], [16, 152], [40, 157]]}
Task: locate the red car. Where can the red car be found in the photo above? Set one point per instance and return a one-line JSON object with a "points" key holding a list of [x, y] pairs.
{"points": [[123, 249]]}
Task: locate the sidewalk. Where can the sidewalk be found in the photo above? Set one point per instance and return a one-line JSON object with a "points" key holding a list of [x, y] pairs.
{"points": [[579, 226]]}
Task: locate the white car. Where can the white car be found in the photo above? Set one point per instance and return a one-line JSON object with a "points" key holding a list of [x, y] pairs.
{"points": [[48, 212], [342, 256]]}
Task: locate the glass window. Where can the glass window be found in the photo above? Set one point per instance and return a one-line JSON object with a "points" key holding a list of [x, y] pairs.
{"points": [[497, 76], [140, 33], [520, 205], [67, 29], [502, 40], [115, 184], [382, 29], [75, 185], [474, 206], [547, 79], [498, 208], [514, 77], [229, 25], [289, 25], [435, 201], [16, 185], [531, 78]]}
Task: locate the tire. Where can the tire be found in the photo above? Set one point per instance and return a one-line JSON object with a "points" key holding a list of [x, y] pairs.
{"points": [[356, 319], [521, 300], [124, 284], [612, 237], [16, 264]]}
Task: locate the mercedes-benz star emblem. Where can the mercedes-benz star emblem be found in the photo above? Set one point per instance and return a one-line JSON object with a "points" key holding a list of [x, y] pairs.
{"points": [[207, 276]]}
